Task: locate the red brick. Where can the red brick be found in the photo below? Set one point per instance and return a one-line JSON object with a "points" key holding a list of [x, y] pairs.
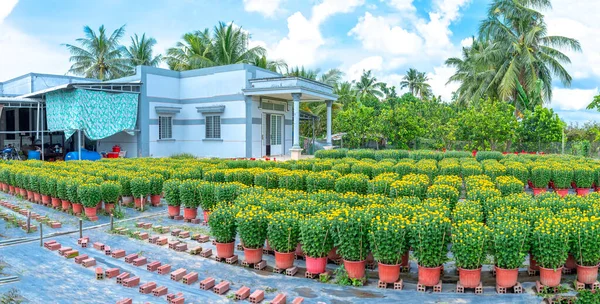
{"points": [[143, 236], [242, 293], [49, 242], [162, 241], [71, 254], [107, 250], [140, 261], [125, 301], [117, 254], [147, 288], [153, 266], [131, 257], [147, 225], [298, 300], [279, 299], [80, 258], [207, 283], [179, 300], [99, 273], [181, 247], [190, 278], [88, 262], [99, 246], [62, 250], [221, 288], [257, 296], [172, 296], [54, 246], [184, 234], [164, 269], [55, 225], [160, 291], [84, 244], [173, 244], [87, 238], [139, 224], [131, 282], [178, 274], [122, 277], [111, 273], [153, 239], [175, 232]]}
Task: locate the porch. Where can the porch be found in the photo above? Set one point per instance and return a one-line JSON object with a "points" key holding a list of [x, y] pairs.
{"points": [[287, 90]]}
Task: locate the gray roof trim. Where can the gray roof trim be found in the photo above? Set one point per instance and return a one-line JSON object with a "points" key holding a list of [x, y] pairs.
{"points": [[211, 109], [167, 110]]}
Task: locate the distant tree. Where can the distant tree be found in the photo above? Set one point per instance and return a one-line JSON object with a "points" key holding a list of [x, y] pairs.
{"points": [[541, 125], [278, 66], [304, 73], [368, 86], [416, 82], [140, 52]]}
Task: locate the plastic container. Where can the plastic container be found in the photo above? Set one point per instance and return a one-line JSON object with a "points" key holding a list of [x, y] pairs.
{"points": [[85, 155], [116, 148], [33, 154]]}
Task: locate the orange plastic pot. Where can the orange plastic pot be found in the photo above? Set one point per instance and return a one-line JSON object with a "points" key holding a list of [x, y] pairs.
{"points": [[206, 215], [538, 191], [138, 202], [108, 207], [284, 260], [533, 265], [90, 211], [225, 250], [55, 202], [24, 193], [11, 189], [355, 269], [571, 263], [190, 213], [388, 273], [587, 274], [316, 265], [174, 210], [429, 276], [582, 191], [333, 255], [507, 277], [253, 255], [38, 197], [469, 278], [299, 251], [77, 208], [46, 200], [126, 200], [550, 277], [66, 205], [155, 200], [562, 192], [29, 195], [5, 187]]}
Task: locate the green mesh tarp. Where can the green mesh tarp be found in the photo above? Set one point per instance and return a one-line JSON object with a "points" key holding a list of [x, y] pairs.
{"points": [[99, 114]]}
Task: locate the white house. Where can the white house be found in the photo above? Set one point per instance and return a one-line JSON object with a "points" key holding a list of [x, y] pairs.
{"points": [[226, 111]]}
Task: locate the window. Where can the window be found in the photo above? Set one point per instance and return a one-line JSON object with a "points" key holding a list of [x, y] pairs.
{"points": [[165, 127], [213, 126]]}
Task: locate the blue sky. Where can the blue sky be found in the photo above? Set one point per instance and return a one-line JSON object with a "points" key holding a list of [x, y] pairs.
{"points": [[387, 37]]}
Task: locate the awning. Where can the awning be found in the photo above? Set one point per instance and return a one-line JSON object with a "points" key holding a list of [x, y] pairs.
{"points": [[99, 114]]}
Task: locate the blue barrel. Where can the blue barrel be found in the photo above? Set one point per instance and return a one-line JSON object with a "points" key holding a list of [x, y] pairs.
{"points": [[33, 154], [85, 155]]}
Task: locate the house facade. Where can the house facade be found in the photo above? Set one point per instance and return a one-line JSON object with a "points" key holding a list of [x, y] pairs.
{"points": [[226, 111]]}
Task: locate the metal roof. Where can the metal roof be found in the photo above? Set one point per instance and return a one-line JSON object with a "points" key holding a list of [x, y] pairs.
{"points": [[103, 86]]}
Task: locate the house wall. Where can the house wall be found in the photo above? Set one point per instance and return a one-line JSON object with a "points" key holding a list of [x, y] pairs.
{"points": [[33, 82], [125, 141]]}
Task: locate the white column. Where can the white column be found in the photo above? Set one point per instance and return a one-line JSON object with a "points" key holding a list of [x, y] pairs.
{"points": [[296, 150], [329, 105]]}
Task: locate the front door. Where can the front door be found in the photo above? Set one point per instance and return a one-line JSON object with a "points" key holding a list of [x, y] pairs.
{"points": [[276, 134]]}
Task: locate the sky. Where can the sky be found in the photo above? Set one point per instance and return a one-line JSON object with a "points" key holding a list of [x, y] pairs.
{"points": [[385, 36]]}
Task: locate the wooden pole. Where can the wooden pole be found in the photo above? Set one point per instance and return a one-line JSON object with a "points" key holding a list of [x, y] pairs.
{"points": [[41, 236]]}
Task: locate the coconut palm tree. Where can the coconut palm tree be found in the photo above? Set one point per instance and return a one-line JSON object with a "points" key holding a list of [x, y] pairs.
{"points": [[191, 53], [140, 51], [331, 77], [416, 82], [278, 66], [525, 53], [304, 73], [368, 86], [98, 55]]}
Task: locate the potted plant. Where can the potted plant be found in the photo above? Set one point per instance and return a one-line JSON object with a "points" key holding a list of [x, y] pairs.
{"points": [[446, 192], [52, 190], [584, 178], [469, 242], [208, 198], [125, 181], [223, 226], [283, 233], [171, 190], [188, 197], [44, 189], [72, 186], [585, 248], [316, 239], [550, 246], [252, 222], [90, 195], [62, 193], [562, 176], [430, 239], [509, 240], [540, 178], [509, 185], [33, 192], [389, 241], [156, 188], [352, 240], [111, 191], [140, 188]]}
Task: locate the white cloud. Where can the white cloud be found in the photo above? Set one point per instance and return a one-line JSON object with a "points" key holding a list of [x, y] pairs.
{"points": [[6, 6], [402, 5], [267, 8], [328, 8], [572, 99], [466, 42], [373, 63], [378, 34], [438, 79]]}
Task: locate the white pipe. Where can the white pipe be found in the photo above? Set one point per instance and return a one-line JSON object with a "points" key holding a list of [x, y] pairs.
{"points": [[37, 123], [79, 143], [42, 123]]}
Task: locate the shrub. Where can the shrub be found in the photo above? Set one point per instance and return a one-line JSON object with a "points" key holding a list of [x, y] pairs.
{"points": [[342, 168], [430, 238], [292, 180], [362, 154], [458, 154], [34, 183], [389, 236], [171, 190], [483, 155], [445, 192], [316, 235], [509, 239], [227, 192], [267, 179], [562, 176], [89, 194], [583, 176], [110, 192], [207, 195], [334, 153], [352, 183], [223, 223], [381, 184], [482, 194], [321, 181], [587, 240], [404, 168], [518, 170], [72, 186], [188, 194], [61, 188], [451, 180], [124, 180], [450, 169], [550, 245], [140, 186], [467, 210], [284, 231], [352, 234], [469, 240], [470, 169], [252, 223], [156, 184], [540, 176], [509, 185]]}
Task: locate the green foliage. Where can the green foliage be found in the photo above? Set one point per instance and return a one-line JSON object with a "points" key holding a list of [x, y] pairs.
{"points": [[334, 153], [541, 176], [171, 190], [550, 242], [110, 192], [252, 223], [562, 176], [583, 176], [316, 235], [188, 194], [321, 181], [430, 238], [469, 243], [509, 185], [267, 179], [207, 195], [284, 231], [223, 223], [352, 234], [509, 241], [445, 192], [586, 240], [140, 186], [389, 236], [89, 194], [352, 183], [156, 184]]}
